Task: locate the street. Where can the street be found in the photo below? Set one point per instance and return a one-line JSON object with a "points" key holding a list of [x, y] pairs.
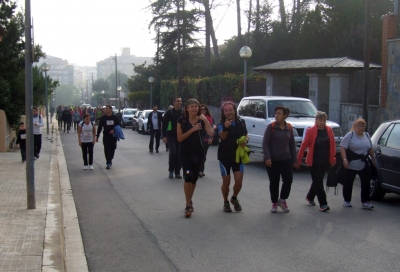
{"points": [[132, 219]]}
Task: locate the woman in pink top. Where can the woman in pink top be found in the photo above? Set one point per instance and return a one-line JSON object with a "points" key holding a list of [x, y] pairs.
{"points": [[321, 151]]}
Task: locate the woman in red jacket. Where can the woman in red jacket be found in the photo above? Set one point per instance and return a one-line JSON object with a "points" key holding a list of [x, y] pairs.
{"points": [[321, 152]]}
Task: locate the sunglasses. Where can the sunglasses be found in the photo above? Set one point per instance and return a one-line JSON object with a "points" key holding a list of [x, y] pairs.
{"points": [[204, 109]]}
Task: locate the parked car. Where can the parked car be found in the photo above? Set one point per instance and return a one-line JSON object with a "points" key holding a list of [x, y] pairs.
{"points": [[259, 111], [386, 143], [127, 116], [135, 119], [142, 121]]}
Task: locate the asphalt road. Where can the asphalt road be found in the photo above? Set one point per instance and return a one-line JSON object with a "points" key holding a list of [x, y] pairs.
{"points": [[131, 218]]}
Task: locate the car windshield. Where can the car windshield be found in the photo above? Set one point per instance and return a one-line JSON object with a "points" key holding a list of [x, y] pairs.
{"points": [[297, 108], [129, 112]]}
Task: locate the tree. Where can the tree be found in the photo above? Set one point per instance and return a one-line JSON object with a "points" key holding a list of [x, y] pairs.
{"points": [[67, 95], [100, 85]]}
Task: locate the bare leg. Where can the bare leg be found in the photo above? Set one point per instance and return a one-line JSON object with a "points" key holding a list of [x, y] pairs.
{"points": [[238, 176], [189, 190], [226, 181]]}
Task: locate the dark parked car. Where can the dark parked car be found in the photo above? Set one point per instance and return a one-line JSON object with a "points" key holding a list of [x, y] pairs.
{"points": [[135, 119], [386, 142]]}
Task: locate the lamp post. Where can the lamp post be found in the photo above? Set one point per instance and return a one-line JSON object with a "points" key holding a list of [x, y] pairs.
{"points": [[245, 53], [151, 80], [45, 67], [102, 97], [118, 98]]}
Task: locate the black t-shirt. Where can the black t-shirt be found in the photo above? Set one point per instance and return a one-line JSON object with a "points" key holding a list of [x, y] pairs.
{"points": [[321, 147], [194, 142], [107, 123]]}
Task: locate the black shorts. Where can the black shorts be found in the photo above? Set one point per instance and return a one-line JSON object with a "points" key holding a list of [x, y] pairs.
{"points": [[226, 168]]}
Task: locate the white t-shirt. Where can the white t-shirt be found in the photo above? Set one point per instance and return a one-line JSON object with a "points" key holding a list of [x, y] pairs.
{"points": [[359, 145], [86, 132], [155, 120]]}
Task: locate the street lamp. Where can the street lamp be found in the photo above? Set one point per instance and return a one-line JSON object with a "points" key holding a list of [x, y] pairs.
{"points": [[119, 88], [45, 67], [102, 97], [151, 80], [245, 53]]}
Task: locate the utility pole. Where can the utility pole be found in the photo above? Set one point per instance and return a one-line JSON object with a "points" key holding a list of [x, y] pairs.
{"points": [[366, 63], [116, 82], [30, 169]]}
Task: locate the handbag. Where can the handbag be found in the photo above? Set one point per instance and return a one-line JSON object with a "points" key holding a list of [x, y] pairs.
{"points": [[332, 180]]}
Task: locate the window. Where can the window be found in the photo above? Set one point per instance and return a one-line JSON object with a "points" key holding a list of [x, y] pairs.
{"points": [[249, 107], [394, 138], [382, 140], [298, 108]]}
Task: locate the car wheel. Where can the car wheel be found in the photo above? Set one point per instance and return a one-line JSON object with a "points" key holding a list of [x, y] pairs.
{"points": [[123, 125], [375, 190]]}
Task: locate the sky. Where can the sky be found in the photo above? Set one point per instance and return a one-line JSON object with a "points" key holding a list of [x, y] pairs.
{"points": [[87, 31]]}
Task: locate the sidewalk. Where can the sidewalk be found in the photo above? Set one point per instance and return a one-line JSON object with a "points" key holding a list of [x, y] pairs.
{"points": [[47, 238]]}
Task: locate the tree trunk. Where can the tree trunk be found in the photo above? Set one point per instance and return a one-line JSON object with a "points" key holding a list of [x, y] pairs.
{"points": [[239, 29], [248, 25], [258, 16], [214, 40], [283, 13], [178, 44], [207, 55]]}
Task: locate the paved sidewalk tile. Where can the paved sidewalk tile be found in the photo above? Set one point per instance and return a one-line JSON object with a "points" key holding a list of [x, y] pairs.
{"points": [[22, 230]]}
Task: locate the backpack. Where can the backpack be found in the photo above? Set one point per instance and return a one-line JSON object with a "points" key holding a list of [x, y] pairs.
{"points": [[288, 124], [81, 123]]}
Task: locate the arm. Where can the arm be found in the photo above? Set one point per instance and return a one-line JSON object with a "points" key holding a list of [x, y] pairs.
{"points": [[165, 124], [99, 128], [332, 147], [41, 122], [149, 119], [79, 135], [265, 143], [292, 148], [304, 145], [224, 132], [208, 128], [182, 136], [94, 133]]}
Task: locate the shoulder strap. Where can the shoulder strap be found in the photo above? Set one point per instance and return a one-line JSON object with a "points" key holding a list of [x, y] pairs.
{"points": [[288, 124], [272, 126]]}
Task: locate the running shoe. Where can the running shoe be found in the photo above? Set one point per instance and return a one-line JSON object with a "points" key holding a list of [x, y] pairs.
{"points": [[236, 205], [91, 167], [227, 207], [310, 202], [347, 204], [367, 206], [178, 176], [274, 208], [171, 175], [282, 203], [324, 208], [188, 212], [108, 166], [85, 167], [191, 206]]}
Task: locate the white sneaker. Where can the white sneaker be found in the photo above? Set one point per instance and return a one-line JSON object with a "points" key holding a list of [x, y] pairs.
{"points": [[91, 167], [367, 205], [85, 167], [347, 204]]}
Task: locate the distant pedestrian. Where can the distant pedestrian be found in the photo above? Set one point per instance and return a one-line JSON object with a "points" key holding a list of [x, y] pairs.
{"points": [[37, 132], [169, 136], [119, 116], [59, 117], [76, 116], [107, 123], [207, 141], [279, 157], [354, 149], [21, 140], [191, 129], [87, 138], [67, 118], [230, 129], [154, 127], [321, 145]]}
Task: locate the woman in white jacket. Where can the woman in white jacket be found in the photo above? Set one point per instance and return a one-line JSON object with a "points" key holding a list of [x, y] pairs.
{"points": [[37, 133]]}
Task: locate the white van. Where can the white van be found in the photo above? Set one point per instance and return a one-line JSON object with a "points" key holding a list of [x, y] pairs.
{"points": [[259, 111]]}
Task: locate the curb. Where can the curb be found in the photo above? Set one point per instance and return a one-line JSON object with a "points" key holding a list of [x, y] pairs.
{"points": [[74, 253]]}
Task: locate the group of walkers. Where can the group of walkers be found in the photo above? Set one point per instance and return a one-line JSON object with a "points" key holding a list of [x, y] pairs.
{"points": [[70, 117], [189, 131]]}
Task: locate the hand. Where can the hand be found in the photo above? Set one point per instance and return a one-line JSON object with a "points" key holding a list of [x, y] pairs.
{"points": [[196, 127], [374, 162], [243, 144], [333, 164], [93, 142], [111, 132], [298, 166], [35, 124], [210, 141], [295, 165], [97, 139], [346, 164], [80, 143], [268, 163], [227, 123], [165, 140]]}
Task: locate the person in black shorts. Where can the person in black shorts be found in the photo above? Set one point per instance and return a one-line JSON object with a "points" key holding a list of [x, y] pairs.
{"points": [[230, 129], [191, 129]]}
